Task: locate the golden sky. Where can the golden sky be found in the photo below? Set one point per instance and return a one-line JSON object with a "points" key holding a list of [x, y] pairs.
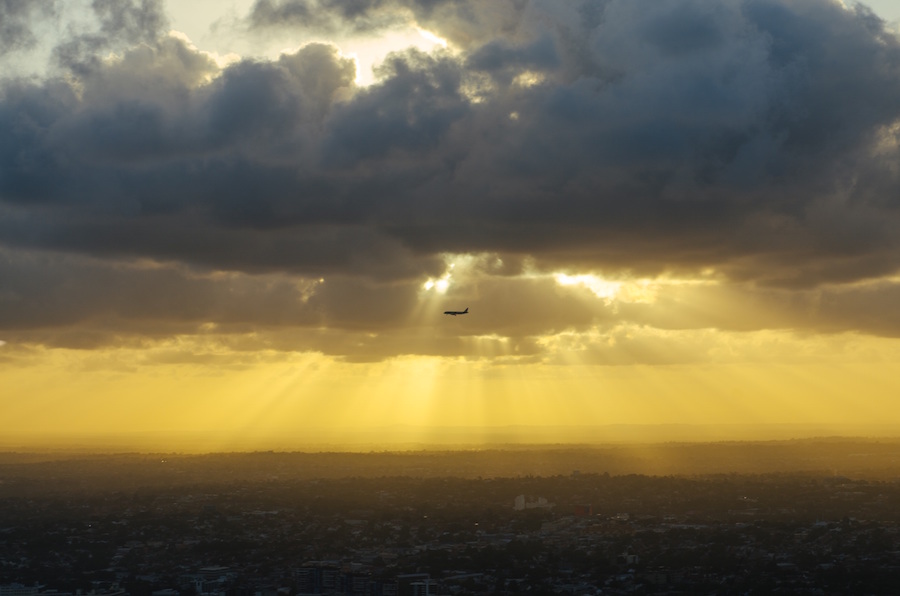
{"points": [[229, 225]]}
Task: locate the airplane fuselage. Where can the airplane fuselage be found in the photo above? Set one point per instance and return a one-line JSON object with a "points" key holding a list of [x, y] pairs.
{"points": [[457, 312]]}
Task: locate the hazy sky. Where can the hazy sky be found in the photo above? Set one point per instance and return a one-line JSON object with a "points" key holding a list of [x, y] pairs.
{"points": [[246, 218]]}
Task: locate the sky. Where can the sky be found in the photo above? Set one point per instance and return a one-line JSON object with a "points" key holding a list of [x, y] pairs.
{"points": [[239, 223]]}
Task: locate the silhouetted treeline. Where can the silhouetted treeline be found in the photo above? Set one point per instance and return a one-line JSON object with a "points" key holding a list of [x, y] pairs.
{"points": [[857, 458]]}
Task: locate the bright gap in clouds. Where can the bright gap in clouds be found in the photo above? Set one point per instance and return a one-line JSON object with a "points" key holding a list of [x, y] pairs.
{"points": [[441, 284], [370, 51], [643, 291], [607, 290], [459, 264], [432, 38], [217, 35], [222, 61]]}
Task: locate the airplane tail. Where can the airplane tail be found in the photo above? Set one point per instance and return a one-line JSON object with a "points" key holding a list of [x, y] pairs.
{"points": [[466, 311]]}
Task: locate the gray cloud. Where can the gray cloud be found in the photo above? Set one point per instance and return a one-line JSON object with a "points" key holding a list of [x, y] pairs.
{"points": [[330, 15], [16, 18], [119, 24], [753, 136], [60, 300], [464, 22], [409, 114]]}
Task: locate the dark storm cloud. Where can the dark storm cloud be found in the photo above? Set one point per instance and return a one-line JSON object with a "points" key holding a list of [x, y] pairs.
{"points": [[757, 137], [410, 113], [50, 289]]}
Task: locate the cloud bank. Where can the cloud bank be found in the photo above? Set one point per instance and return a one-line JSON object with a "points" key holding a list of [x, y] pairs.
{"points": [[146, 189]]}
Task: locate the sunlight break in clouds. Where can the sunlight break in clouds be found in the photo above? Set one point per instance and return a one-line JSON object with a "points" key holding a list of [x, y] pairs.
{"points": [[440, 285], [607, 290], [629, 290]]}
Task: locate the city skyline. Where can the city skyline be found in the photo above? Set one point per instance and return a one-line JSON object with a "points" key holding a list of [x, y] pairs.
{"points": [[247, 219]]}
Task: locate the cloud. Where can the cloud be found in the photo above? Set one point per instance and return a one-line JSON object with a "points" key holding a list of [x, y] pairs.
{"points": [[16, 20], [758, 138], [318, 15], [119, 24], [463, 22], [65, 301]]}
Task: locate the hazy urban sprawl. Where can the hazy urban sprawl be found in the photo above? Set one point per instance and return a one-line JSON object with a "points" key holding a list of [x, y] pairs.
{"points": [[810, 516]]}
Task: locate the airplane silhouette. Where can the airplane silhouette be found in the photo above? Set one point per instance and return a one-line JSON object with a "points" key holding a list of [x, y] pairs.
{"points": [[457, 312]]}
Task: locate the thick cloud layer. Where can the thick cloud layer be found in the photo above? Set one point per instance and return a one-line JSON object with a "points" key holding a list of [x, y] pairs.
{"points": [[758, 138]]}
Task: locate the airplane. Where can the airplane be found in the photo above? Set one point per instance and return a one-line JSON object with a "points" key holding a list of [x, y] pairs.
{"points": [[457, 312]]}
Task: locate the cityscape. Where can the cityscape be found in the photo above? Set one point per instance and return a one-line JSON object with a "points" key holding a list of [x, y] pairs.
{"points": [[286, 524]]}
